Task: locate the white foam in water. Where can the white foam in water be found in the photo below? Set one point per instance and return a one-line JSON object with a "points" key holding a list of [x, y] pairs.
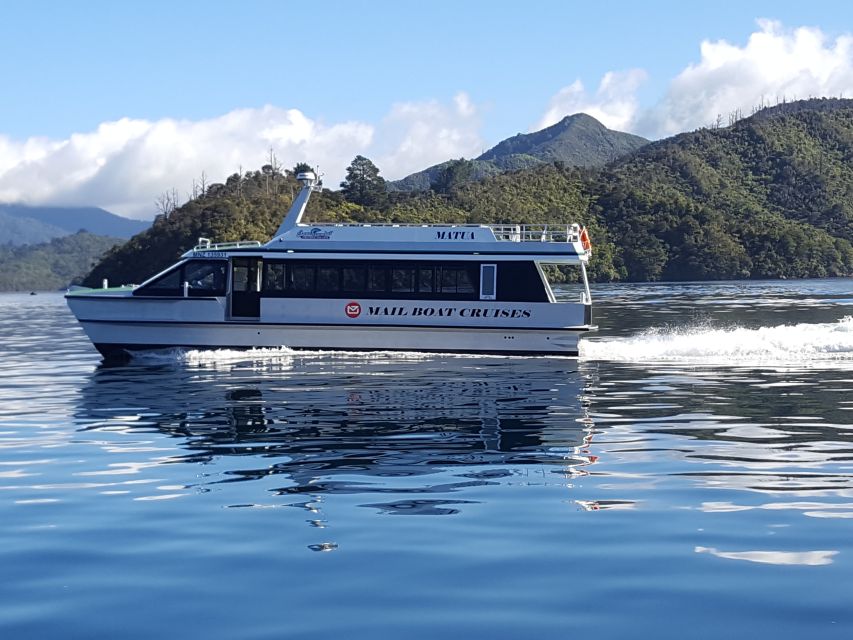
{"points": [[201, 357], [784, 343], [223, 356], [214, 357]]}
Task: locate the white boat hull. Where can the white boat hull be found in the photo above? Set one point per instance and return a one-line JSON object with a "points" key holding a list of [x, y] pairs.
{"points": [[113, 338], [117, 325]]}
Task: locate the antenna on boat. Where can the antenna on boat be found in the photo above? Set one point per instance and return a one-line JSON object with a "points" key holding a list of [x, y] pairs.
{"points": [[308, 180]]}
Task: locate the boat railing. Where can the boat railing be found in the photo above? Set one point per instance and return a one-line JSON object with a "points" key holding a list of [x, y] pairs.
{"points": [[503, 232], [536, 232], [204, 244]]}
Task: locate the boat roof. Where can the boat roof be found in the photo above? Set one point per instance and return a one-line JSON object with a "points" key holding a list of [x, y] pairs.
{"points": [[563, 243]]}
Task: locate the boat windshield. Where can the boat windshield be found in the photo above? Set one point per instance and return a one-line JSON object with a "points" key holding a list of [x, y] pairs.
{"points": [[567, 282]]}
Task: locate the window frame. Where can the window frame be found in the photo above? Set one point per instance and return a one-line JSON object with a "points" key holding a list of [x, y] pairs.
{"points": [[488, 283]]}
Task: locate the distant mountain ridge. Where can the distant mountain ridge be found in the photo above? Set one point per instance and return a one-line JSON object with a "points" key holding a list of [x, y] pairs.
{"points": [[24, 224], [53, 265], [17, 231], [578, 140]]}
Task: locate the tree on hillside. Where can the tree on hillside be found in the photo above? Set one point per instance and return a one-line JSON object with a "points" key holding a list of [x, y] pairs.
{"points": [[452, 174], [364, 185], [301, 167], [167, 202]]}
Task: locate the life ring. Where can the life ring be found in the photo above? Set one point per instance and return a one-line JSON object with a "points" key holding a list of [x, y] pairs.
{"points": [[585, 242]]}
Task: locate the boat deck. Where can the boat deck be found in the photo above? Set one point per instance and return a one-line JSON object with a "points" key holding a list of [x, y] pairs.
{"points": [[406, 232], [503, 232]]}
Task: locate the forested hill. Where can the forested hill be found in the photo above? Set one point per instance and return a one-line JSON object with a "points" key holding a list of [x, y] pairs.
{"points": [[769, 196], [578, 140], [52, 265]]}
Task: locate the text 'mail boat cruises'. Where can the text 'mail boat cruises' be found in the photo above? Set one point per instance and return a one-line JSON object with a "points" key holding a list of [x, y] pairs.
{"points": [[471, 288]]}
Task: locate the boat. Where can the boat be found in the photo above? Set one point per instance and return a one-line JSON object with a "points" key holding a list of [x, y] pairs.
{"points": [[446, 288]]}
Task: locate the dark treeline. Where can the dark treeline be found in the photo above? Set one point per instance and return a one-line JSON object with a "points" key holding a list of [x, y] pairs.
{"points": [[770, 196]]}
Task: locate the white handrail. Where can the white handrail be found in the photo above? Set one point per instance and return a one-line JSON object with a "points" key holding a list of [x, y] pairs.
{"points": [[207, 246]]}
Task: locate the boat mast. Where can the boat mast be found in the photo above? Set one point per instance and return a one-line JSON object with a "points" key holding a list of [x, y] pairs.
{"points": [[307, 179]]}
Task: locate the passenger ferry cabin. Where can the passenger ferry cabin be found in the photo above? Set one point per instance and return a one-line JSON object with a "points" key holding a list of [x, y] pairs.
{"points": [[435, 288]]}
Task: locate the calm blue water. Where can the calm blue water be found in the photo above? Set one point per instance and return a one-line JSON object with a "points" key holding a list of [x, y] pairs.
{"points": [[691, 475]]}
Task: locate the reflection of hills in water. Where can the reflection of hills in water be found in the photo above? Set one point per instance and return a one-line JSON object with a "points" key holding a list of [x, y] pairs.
{"points": [[311, 419]]}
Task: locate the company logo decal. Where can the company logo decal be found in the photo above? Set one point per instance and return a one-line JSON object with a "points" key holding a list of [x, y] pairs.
{"points": [[353, 309], [314, 233]]}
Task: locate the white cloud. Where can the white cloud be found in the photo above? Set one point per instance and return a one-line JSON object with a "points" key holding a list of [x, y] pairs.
{"points": [[415, 136], [124, 165], [615, 103], [776, 63]]}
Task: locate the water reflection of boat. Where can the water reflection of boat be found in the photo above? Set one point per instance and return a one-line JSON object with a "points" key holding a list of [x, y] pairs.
{"points": [[319, 427]]}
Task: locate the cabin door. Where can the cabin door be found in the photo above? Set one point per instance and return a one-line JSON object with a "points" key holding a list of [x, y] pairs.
{"points": [[245, 288]]}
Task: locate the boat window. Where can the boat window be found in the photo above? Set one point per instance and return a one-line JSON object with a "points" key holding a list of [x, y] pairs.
{"points": [[170, 282], [328, 279], [274, 276], [426, 278], [205, 278], [301, 278], [245, 275], [241, 278], [402, 280], [447, 281], [354, 279], [463, 282], [522, 282], [455, 281], [377, 279], [488, 275]]}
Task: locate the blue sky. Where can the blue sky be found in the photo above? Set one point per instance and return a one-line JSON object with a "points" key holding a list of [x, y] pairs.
{"points": [[97, 90]]}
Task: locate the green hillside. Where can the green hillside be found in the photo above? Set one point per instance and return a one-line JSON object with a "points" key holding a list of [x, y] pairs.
{"points": [[769, 196], [52, 265], [431, 177], [578, 140]]}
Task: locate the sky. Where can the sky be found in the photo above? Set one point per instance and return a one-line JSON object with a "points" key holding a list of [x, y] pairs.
{"points": [[111, 104]]}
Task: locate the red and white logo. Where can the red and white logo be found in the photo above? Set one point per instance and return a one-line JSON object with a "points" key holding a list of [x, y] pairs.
{"points": [[353, 309]]}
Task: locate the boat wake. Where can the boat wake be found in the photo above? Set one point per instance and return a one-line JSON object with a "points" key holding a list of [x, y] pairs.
{"points": [[199, 357], [216, 357], [735, 345]]}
